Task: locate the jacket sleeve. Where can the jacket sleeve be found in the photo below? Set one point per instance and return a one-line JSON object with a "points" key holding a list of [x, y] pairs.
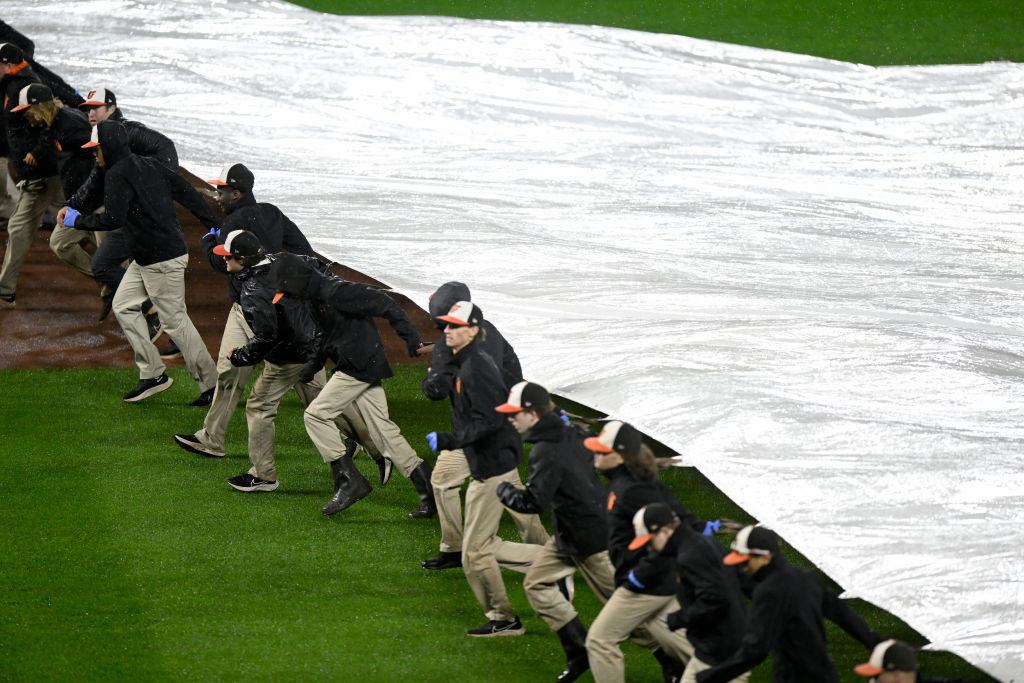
{"points": [[89, 196], [207, 243], [186, 195], [764, 619], [262, 318], [841, 614], [117, 195], [350, 298], [440, 379], [510, 367], [145, 141], [695, 566], [292, 239], [545, 476], [682, 512]]}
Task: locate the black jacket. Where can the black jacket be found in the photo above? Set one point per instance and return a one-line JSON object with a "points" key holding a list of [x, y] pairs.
{"points": [[64, 137], [786, 620], [139, 196], [275, 231], [626, 495], [283, 333], [143, 141], [713, 610], [20, 137], [491, 443], [562, 475], [438, 382]]}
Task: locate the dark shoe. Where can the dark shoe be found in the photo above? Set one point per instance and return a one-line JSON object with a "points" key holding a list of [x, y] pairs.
{"points": [[384, 467], [171, 352], [350, 486], [106, 306], [671, 668], [204, 400], [443, 560], [148, 308], [155, 328], [574, 641], [7, 301], [248, 483], [496, 627], [193, 445], [147, 387], [567, 587], [420, 478]]}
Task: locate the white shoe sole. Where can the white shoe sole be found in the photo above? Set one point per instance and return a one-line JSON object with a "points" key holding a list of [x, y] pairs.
{"points": [[254, 489], [193, 448], [151, 391]]}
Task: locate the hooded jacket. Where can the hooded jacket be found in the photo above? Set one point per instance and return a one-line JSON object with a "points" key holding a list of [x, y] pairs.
{"points": [[275, 231], [786, 619], [283, 333], [713, 610], [490, 442], [143, 141], [64, 138], [437, 384], [562, 475], [139, 196], [626, 495], [350, 337]]}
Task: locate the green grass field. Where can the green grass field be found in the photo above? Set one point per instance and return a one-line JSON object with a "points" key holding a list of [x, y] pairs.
{"points": [[126, 557], [873, 32]]}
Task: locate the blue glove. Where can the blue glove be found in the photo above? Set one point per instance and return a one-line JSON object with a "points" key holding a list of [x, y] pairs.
{"points": [[711, 528], [214, 232], [432, 441], [563, 416], [70, 217]]}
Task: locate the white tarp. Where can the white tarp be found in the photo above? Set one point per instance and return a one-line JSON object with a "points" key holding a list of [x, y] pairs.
{"points": [[803, 275]]}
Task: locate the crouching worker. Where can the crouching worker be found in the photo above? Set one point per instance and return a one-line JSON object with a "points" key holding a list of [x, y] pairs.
{"points": [[345, 312], [561, 475]]}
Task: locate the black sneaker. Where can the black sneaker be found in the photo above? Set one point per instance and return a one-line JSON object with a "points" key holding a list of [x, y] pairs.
{"points": [[193, 445], [106, 307], [171, 352], [247, 482], [498, 628], [147, 387], [384, 468], [443, 560], [155, 328], [7, 301], [204, 400], [567, 587]]}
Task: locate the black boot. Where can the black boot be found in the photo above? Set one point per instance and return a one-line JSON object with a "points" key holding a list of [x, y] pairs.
{"points": [[349, 486], [574, 642], [671, 668], [420, 478]]}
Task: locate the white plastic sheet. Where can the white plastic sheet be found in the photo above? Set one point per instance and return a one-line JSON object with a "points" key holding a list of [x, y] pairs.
{"points": [[803, 275]]}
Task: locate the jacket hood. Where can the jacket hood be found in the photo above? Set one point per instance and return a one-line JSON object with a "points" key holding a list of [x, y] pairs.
{"points": [[291, 274], [548, 428], [113, 139], [446, 296]]}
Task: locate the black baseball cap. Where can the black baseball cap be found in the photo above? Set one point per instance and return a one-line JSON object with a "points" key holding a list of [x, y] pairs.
{"points": [[648, 520], [236, 176], [11, 54], [523, 396], [240, 243], [889, 655], [616, 437], [34, 93], [752, 540]]}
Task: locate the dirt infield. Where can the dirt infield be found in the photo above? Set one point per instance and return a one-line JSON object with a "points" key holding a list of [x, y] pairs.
{"points": [[54, 324]]}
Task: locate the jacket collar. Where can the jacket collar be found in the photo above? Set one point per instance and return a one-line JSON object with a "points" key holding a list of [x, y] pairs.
{"points": [[548, 428], [468, 351]]}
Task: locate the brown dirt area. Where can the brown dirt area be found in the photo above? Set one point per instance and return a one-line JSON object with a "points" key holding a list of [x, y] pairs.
{"points": [[54, 323]]}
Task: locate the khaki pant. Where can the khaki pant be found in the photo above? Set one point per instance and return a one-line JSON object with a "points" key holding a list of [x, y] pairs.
{"points": [[484, 552], [66, 244], [370, 404], [8, 192], [624, 612], [36, 196], [164, 284], [231, 381], [549, 566], [695, 666], [450, 472]]}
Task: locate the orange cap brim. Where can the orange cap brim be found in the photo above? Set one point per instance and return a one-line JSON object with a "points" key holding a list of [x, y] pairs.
{"points": [[21, 106], [867, 670], [277, 297], [508, 408], [219, 250], [90, 144], [594, 444], [640, 541], [453, 321], [217, 181], [735, 558]]}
